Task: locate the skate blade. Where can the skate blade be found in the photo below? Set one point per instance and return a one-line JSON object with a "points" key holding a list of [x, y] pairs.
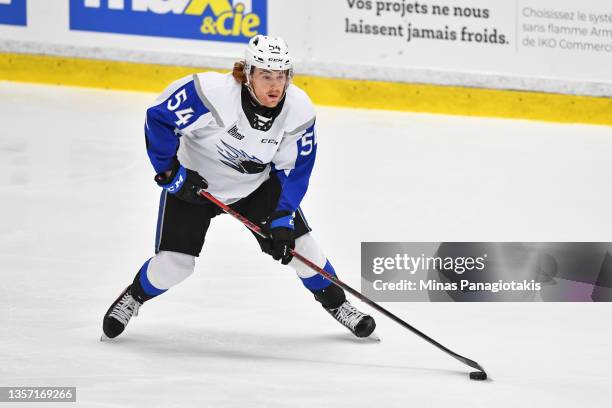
{"points": [[374, 337], [104, 337]]}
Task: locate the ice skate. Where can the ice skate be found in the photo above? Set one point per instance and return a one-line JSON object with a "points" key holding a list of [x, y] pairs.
{"points": [[360, 324], [119, 314]]}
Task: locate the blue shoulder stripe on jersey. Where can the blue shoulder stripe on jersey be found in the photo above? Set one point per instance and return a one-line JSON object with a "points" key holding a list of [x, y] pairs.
{"points": [[318, 282], [295, 184], [178, 111]]}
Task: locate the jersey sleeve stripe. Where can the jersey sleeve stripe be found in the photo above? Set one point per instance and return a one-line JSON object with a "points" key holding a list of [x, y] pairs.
{"points": [[302, 127], [206, 102]]}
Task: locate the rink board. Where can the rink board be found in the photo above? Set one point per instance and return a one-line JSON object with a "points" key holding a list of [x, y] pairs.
{"points": [[323, 91]]}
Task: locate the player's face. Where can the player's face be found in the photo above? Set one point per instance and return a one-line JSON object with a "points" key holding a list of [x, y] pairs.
{"points": [[268, 86]]}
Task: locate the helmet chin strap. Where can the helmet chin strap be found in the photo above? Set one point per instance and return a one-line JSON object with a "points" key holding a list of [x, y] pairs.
{"points": [[252, 93]]}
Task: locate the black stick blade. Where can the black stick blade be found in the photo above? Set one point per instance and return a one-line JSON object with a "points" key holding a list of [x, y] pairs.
{"points": [[478, 375]]}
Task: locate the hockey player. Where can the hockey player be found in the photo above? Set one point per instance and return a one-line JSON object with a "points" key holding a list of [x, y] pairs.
{"points": [[248, 138]]}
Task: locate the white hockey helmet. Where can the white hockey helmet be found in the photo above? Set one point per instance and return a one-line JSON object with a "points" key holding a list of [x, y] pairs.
{"points": [[269, 53]]}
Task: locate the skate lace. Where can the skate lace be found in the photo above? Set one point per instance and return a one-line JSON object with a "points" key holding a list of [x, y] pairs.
{"points": [[348, 315], [125, 309]]}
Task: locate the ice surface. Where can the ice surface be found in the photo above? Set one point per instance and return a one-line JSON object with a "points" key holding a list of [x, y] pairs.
{"points": [[78, 219]]}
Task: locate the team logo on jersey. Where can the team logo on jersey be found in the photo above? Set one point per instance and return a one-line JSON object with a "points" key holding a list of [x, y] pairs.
{"points": [[13, 12], [216, 20], [235, 133], [240, 160]]}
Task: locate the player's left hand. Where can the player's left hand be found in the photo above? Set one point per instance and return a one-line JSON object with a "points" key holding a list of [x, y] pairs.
{"points": [[280, 225]]}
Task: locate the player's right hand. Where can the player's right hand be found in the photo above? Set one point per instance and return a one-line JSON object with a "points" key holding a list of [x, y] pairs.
{"points": [[183, 183]]}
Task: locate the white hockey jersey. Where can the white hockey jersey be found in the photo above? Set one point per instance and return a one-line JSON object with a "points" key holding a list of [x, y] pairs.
{"points": [[200, 120]]}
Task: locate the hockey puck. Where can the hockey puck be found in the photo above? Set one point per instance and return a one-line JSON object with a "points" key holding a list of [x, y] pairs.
{"points": [[478, 375]]}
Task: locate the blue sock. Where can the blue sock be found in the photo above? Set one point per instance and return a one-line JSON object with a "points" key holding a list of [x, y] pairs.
{"points": [[142, 288], [318, 282]]}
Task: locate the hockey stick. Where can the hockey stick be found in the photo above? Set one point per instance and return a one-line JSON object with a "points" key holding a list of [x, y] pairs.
{"points": [[478, 375]]}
